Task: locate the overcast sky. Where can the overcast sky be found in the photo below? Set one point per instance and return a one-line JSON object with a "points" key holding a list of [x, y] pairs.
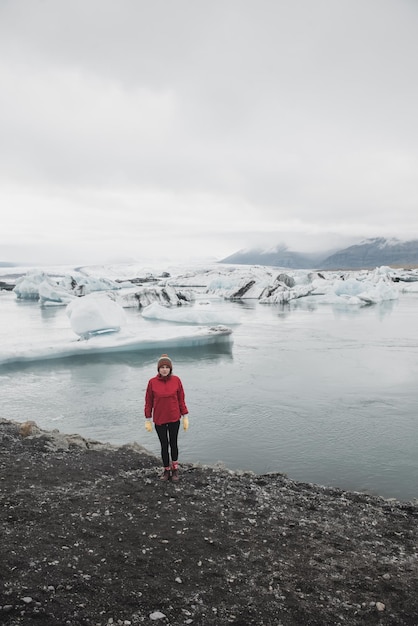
{"points": [[193, 128]]}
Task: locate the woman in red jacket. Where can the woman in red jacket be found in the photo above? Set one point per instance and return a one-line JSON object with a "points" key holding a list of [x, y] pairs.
{"points": [[165, 404]]}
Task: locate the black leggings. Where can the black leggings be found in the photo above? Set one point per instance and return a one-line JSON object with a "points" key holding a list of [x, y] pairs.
{"points": [[167, 434]]}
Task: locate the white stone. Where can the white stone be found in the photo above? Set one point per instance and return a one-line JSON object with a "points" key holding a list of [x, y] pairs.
{"points": [[156, 615]]}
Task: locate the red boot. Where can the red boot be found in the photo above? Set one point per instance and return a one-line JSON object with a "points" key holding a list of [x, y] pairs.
{"points": [[175, 471], [166, 474]]}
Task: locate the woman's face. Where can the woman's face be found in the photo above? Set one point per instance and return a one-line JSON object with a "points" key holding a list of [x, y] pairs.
{"points": [[164, 370]]}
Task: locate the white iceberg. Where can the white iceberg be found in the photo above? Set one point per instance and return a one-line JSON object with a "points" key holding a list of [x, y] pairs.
{"points": [[27, 287], [356, 290], [265, 284], [52, 294], [198, 314], [123, 341], [39, 285], [189, 305], [94, 314]]}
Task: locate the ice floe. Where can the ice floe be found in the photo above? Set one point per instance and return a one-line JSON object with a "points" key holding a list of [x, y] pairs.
{"points": [[187, 301]]}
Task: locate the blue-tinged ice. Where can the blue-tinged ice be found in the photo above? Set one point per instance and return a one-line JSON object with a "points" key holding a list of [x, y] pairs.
{"points": [[203, 312]]}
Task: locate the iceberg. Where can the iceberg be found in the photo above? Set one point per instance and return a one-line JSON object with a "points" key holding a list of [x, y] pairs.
{"points": [[355, 290], [27, 287], [184, 308], [412, 287], [123, 341], [274, 286], [94, 314], [201, 313], [39, 285], [264, 284], [165, 295], [52, 294]]}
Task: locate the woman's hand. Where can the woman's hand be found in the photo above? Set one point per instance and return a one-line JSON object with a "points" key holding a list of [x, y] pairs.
{"points": [[148, 425], [185, 422]]}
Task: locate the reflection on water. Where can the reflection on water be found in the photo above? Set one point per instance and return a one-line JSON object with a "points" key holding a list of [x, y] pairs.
{"points": [[323, 393]]}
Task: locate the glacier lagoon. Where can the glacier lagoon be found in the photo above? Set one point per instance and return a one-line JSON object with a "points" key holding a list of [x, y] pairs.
{"points": [[323, 393]]}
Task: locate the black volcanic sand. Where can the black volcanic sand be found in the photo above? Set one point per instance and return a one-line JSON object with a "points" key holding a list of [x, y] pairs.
{"points": [[90, 535]]}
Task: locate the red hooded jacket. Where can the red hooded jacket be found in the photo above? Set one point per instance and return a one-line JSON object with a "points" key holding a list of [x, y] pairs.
{"points": [[164, 399]]}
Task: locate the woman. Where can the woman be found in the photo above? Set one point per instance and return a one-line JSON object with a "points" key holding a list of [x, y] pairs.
{"points": [[165, 403]]}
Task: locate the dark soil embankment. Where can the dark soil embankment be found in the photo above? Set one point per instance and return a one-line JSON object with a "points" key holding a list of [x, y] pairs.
{"points": [[90, 536]]}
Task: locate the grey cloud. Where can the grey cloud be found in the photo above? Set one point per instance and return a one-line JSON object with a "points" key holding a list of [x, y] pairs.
{"points": [[302, 111]]}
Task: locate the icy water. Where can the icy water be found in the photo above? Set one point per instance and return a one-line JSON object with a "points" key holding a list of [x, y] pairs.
{"points": [[321, 393]]}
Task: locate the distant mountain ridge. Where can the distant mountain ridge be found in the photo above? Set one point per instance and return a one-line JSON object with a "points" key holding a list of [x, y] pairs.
{"points": [[369, 253]]}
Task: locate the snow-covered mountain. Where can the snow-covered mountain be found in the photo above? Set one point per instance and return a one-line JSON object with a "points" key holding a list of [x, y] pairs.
{"points": [[368, 253], [279, 256], [374, 252]]}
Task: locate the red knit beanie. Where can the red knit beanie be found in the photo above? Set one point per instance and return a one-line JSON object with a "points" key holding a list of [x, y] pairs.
{"points": [[165, 360]]}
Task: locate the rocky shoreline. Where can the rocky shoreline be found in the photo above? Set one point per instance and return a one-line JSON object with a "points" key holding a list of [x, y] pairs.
{"points": [[90, 536]]}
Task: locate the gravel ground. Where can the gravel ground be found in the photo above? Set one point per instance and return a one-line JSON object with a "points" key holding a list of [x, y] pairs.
{"points": [[91, 536]]}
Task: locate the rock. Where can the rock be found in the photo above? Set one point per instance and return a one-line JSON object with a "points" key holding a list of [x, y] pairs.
{"points": [[157, 615], [28, 428]]}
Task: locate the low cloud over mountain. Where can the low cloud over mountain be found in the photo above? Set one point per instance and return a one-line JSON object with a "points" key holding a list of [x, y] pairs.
{"points": [[366, 254]]}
